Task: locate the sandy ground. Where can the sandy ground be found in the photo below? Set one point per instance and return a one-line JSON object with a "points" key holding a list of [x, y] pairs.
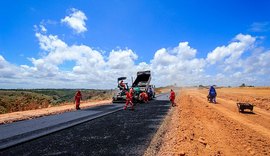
{"points": [[23, 115], [196, 127]]}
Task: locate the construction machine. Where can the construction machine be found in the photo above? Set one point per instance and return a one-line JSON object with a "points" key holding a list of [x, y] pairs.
{"points": [[142, 84], [120, 96]]}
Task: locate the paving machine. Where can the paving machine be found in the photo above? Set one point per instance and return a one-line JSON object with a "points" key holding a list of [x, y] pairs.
{"points": [[120, 96], [141, 84]]}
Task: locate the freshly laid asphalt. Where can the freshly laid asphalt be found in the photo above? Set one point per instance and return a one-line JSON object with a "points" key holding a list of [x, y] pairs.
{"points": [[124, 132], [22, 131]]}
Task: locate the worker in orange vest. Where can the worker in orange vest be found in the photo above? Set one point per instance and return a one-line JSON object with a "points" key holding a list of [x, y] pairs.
{"points": [[146, 97], [131, 92], [129, 100], [143, 97], [172, 98], [77, 99]]}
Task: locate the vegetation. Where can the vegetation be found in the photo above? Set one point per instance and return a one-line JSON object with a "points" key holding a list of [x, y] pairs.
{"points": [[12, 100], [244, 85]]}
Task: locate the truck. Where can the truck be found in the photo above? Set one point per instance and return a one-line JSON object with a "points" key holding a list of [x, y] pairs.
{"points": [[142, 84]]}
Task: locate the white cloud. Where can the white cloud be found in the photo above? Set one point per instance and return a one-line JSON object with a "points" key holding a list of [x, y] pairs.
{"points": [[43, 29], [76, 20], [259, 27], [58, 51], [163, 58], [121, 59], [184, 51], [91, 66], [143, 66], [7, 70], [225, 65], [49, 43], [233, 51], [257, 63], [241, 61], [177, 65]]}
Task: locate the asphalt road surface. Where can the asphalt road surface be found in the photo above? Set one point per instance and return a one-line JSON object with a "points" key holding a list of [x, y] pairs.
{"points": [[125, 132], [22, 131]]}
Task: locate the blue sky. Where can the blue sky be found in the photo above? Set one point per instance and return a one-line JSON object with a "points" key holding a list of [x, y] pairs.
{"points": [[135, 31]]}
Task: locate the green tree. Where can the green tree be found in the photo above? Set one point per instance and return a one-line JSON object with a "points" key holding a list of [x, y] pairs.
{"points": [[243, 85]]}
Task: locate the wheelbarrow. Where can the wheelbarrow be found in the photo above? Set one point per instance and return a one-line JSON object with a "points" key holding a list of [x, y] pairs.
{"points": [[242, 106]]}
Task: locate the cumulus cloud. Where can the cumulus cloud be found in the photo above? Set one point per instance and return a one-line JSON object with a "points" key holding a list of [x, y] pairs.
{"points": [[7, 70], [76, 20], [178, 65], [122, 59], [233, 51], [238, 65], [92, 68], [87, 60], [257, 63]]}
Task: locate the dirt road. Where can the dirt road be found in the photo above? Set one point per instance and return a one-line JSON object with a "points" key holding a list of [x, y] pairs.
{"points": [[196, 127]]}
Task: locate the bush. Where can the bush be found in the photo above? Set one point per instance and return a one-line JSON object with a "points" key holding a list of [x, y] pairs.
{"points": [[3, 110], [243, 85], [12, 100]]}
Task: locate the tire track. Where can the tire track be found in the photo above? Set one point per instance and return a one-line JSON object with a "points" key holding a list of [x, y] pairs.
{"points": [[261, 125]]}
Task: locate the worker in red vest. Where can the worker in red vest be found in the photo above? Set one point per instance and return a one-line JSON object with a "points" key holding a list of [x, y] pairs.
{"points": [[78, 98], [143, 97], [131, 92], [129, 100], [146, 98], [172, 98]]}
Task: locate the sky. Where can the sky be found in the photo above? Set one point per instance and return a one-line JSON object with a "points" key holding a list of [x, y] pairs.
{"points": [[89, 44]]}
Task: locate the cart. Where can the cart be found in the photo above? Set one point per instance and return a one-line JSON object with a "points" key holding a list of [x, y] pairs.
{"points": [[243, 106]]}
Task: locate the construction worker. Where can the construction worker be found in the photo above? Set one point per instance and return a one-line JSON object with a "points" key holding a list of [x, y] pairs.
{"points": [[172, 98], [143, 97], [150, 92], [129, 101], [77, 99], [131, 92], [122, 84], [146, 97], [212, 94]]}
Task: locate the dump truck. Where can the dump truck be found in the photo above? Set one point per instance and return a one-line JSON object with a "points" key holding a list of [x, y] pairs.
{"points": [[142, 84]]}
